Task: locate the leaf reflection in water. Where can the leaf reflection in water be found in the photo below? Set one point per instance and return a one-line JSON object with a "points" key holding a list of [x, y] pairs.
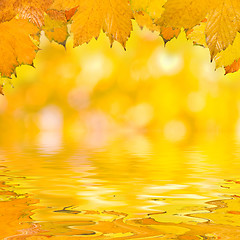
{"points": [[165, 192]]}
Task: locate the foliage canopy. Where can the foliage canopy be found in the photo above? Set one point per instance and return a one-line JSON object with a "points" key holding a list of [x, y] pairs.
{"points": [[214, 24]]}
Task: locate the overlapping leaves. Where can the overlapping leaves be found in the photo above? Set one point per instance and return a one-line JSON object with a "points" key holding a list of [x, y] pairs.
{"points": [[212, 23], [222, 19]]}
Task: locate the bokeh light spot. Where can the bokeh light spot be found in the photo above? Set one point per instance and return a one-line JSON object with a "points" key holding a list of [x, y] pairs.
{"points": [[175, 131], [196, 102], [140, 115], [164, 63]]}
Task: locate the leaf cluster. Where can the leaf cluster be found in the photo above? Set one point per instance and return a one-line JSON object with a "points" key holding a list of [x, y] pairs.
{"points": [[211, 23]]}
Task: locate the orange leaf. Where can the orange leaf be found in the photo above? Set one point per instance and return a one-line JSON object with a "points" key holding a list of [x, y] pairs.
{"points": [[168, 33], [233, 68], [8, 10], [57, 15], [69, 13], [33, 10], [16, 46]]}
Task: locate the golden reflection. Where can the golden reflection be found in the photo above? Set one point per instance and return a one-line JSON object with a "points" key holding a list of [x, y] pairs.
{"points": [[139, 187]]}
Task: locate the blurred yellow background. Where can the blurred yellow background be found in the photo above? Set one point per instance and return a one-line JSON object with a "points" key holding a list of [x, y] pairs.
{"points": [[173, 92]]}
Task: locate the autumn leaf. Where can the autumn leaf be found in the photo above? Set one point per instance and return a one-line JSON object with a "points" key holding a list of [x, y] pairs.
{"points": [[144, 20], [167, 33], [222, 25], [1, 89], [234, 67], [33, 10], [213, 24], [223, 20], [140, 5], [197, 35], [111, 16], [147, 13], [153, 8], [55, 26], [55, 31], [183, 13], [69, 13], [8, 10], [25, 9], [228, 56], [16, 46], [57, 15]]}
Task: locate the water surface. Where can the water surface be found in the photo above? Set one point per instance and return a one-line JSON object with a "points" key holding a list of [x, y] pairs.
{"points": [[128, 188]]}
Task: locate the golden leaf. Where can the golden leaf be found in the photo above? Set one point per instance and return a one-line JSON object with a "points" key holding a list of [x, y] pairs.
{"points": [[89, 17], [197, 34], [55, 28], [16, 46], [230, 54], [144, 20], [184, 13], [154, 8], [140, 5], [111, 16], [222, 25]]}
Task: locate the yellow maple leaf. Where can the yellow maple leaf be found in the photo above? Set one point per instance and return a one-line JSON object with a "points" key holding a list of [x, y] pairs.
{"points": [[228, 58], [55, 26], [222, 25], [180, 14], [144, 20], [16, 46], [197, 34], [92, 16], [230, 54], [184, 13], [146, 12], [217, 32], [140, 5], [154, 8]]}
